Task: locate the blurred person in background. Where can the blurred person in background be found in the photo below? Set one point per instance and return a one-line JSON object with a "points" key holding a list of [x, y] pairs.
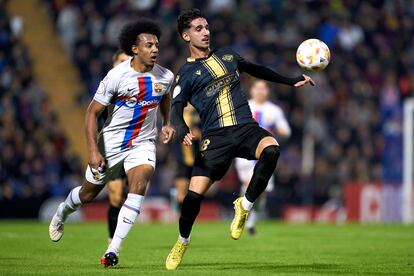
{"points": [[115, 187], [270, 117], [36, 161], [134, 89], [269, 32], [184, 156]]}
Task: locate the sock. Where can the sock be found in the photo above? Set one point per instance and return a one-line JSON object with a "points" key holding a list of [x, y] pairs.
{"points": [[251, 219], [183, 240], [243, 190], [246, 204], [126, 219], [113, 213], [262, 172], [72, 203], [189, 212]]}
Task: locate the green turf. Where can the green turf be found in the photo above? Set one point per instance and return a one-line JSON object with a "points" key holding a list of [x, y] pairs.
{"points": [[280, 249]]}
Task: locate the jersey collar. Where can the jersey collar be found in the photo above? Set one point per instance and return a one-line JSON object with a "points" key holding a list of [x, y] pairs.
{"points": [[197, 59]]}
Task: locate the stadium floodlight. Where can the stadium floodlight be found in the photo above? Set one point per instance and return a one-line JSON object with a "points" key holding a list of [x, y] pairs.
{"points": [[407, 189]]}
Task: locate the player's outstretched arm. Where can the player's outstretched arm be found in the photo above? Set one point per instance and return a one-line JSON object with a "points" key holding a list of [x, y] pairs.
{"points": [[183, 132], [305, 81], [265, 73], [96, 160], [167, 130]]}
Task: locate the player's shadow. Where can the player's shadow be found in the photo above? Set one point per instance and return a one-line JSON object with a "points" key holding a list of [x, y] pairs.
{"points": [[266, 266]]}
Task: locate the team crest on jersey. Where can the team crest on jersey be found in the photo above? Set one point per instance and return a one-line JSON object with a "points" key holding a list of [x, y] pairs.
{"points": [[158, 87], [228, 58]]}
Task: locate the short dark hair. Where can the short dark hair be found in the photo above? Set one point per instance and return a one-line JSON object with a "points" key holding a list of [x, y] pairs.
{"points": [[117, 54], [131, 31], [185, 18]]}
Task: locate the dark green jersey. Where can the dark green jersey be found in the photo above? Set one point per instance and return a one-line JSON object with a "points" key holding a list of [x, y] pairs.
{"points": [[212, 86]]}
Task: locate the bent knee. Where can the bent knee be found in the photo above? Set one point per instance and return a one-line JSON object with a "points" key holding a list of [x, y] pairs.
{"points": [[271, 154], [116, 200]]}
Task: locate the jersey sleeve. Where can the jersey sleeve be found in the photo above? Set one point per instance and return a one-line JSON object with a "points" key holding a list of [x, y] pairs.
{"points": [[171, 81], [182, 88], [106, 89], [263, 72], [179, 101]]}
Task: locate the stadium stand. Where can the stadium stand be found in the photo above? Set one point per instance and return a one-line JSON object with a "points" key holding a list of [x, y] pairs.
{"points": [[349, 117], [35, 162]]}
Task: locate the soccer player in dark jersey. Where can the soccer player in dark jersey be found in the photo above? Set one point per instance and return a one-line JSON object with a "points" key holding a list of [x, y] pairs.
{"points": [[210, 81]]}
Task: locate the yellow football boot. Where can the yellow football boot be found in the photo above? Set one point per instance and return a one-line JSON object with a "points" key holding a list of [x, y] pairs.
{"points": [[176, 255], [239, 220]]}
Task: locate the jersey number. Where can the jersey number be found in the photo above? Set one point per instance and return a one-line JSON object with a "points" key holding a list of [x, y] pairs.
{"points": [[204, 144]]}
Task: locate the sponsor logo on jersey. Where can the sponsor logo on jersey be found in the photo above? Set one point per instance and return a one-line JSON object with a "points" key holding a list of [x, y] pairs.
{"points": [[218, 84], [132, 102], [228, 58], [147, 103]]}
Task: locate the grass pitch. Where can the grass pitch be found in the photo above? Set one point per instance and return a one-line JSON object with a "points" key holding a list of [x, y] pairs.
{"points": [[280, 249]]}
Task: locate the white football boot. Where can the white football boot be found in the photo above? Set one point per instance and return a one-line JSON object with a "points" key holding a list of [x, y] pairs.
{"points": [[56, 227]]}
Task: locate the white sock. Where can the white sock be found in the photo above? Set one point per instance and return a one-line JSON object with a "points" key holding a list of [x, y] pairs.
{"points": [[251, 220], [184, 240], [126, 219], [246, 204], [72, 203], [243, 190]]}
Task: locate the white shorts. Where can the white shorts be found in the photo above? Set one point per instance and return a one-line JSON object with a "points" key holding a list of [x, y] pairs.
{"points": [[245, 169], [143, 153]]}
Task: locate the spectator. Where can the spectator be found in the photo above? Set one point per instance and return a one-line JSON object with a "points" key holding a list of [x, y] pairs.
{"points": [[33, 159], [341, 114]]}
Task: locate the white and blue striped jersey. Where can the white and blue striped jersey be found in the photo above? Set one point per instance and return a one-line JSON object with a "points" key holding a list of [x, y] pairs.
{"points": [[133, 99]]}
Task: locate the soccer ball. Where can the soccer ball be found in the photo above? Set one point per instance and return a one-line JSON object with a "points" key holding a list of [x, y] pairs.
{"points": [[313, 55]]}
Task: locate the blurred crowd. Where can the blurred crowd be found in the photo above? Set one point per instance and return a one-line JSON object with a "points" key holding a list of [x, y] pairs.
{"points": [[342, 124], [34, 161]]}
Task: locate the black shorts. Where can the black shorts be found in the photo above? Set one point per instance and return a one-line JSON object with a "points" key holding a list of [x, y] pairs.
{"points": [[219, 147], [183, 171]]}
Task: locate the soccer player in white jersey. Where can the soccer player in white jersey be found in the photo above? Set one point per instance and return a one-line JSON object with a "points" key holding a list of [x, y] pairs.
{"points": [[133, 90], [270, 117]]}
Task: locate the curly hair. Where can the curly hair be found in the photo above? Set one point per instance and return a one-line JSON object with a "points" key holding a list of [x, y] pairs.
{"points": [[130, 32], [185, 18]]}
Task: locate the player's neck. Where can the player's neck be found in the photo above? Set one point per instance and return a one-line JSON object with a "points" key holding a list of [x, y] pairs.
{"points": [[198, 52], [140, 67], [260, 103]]}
